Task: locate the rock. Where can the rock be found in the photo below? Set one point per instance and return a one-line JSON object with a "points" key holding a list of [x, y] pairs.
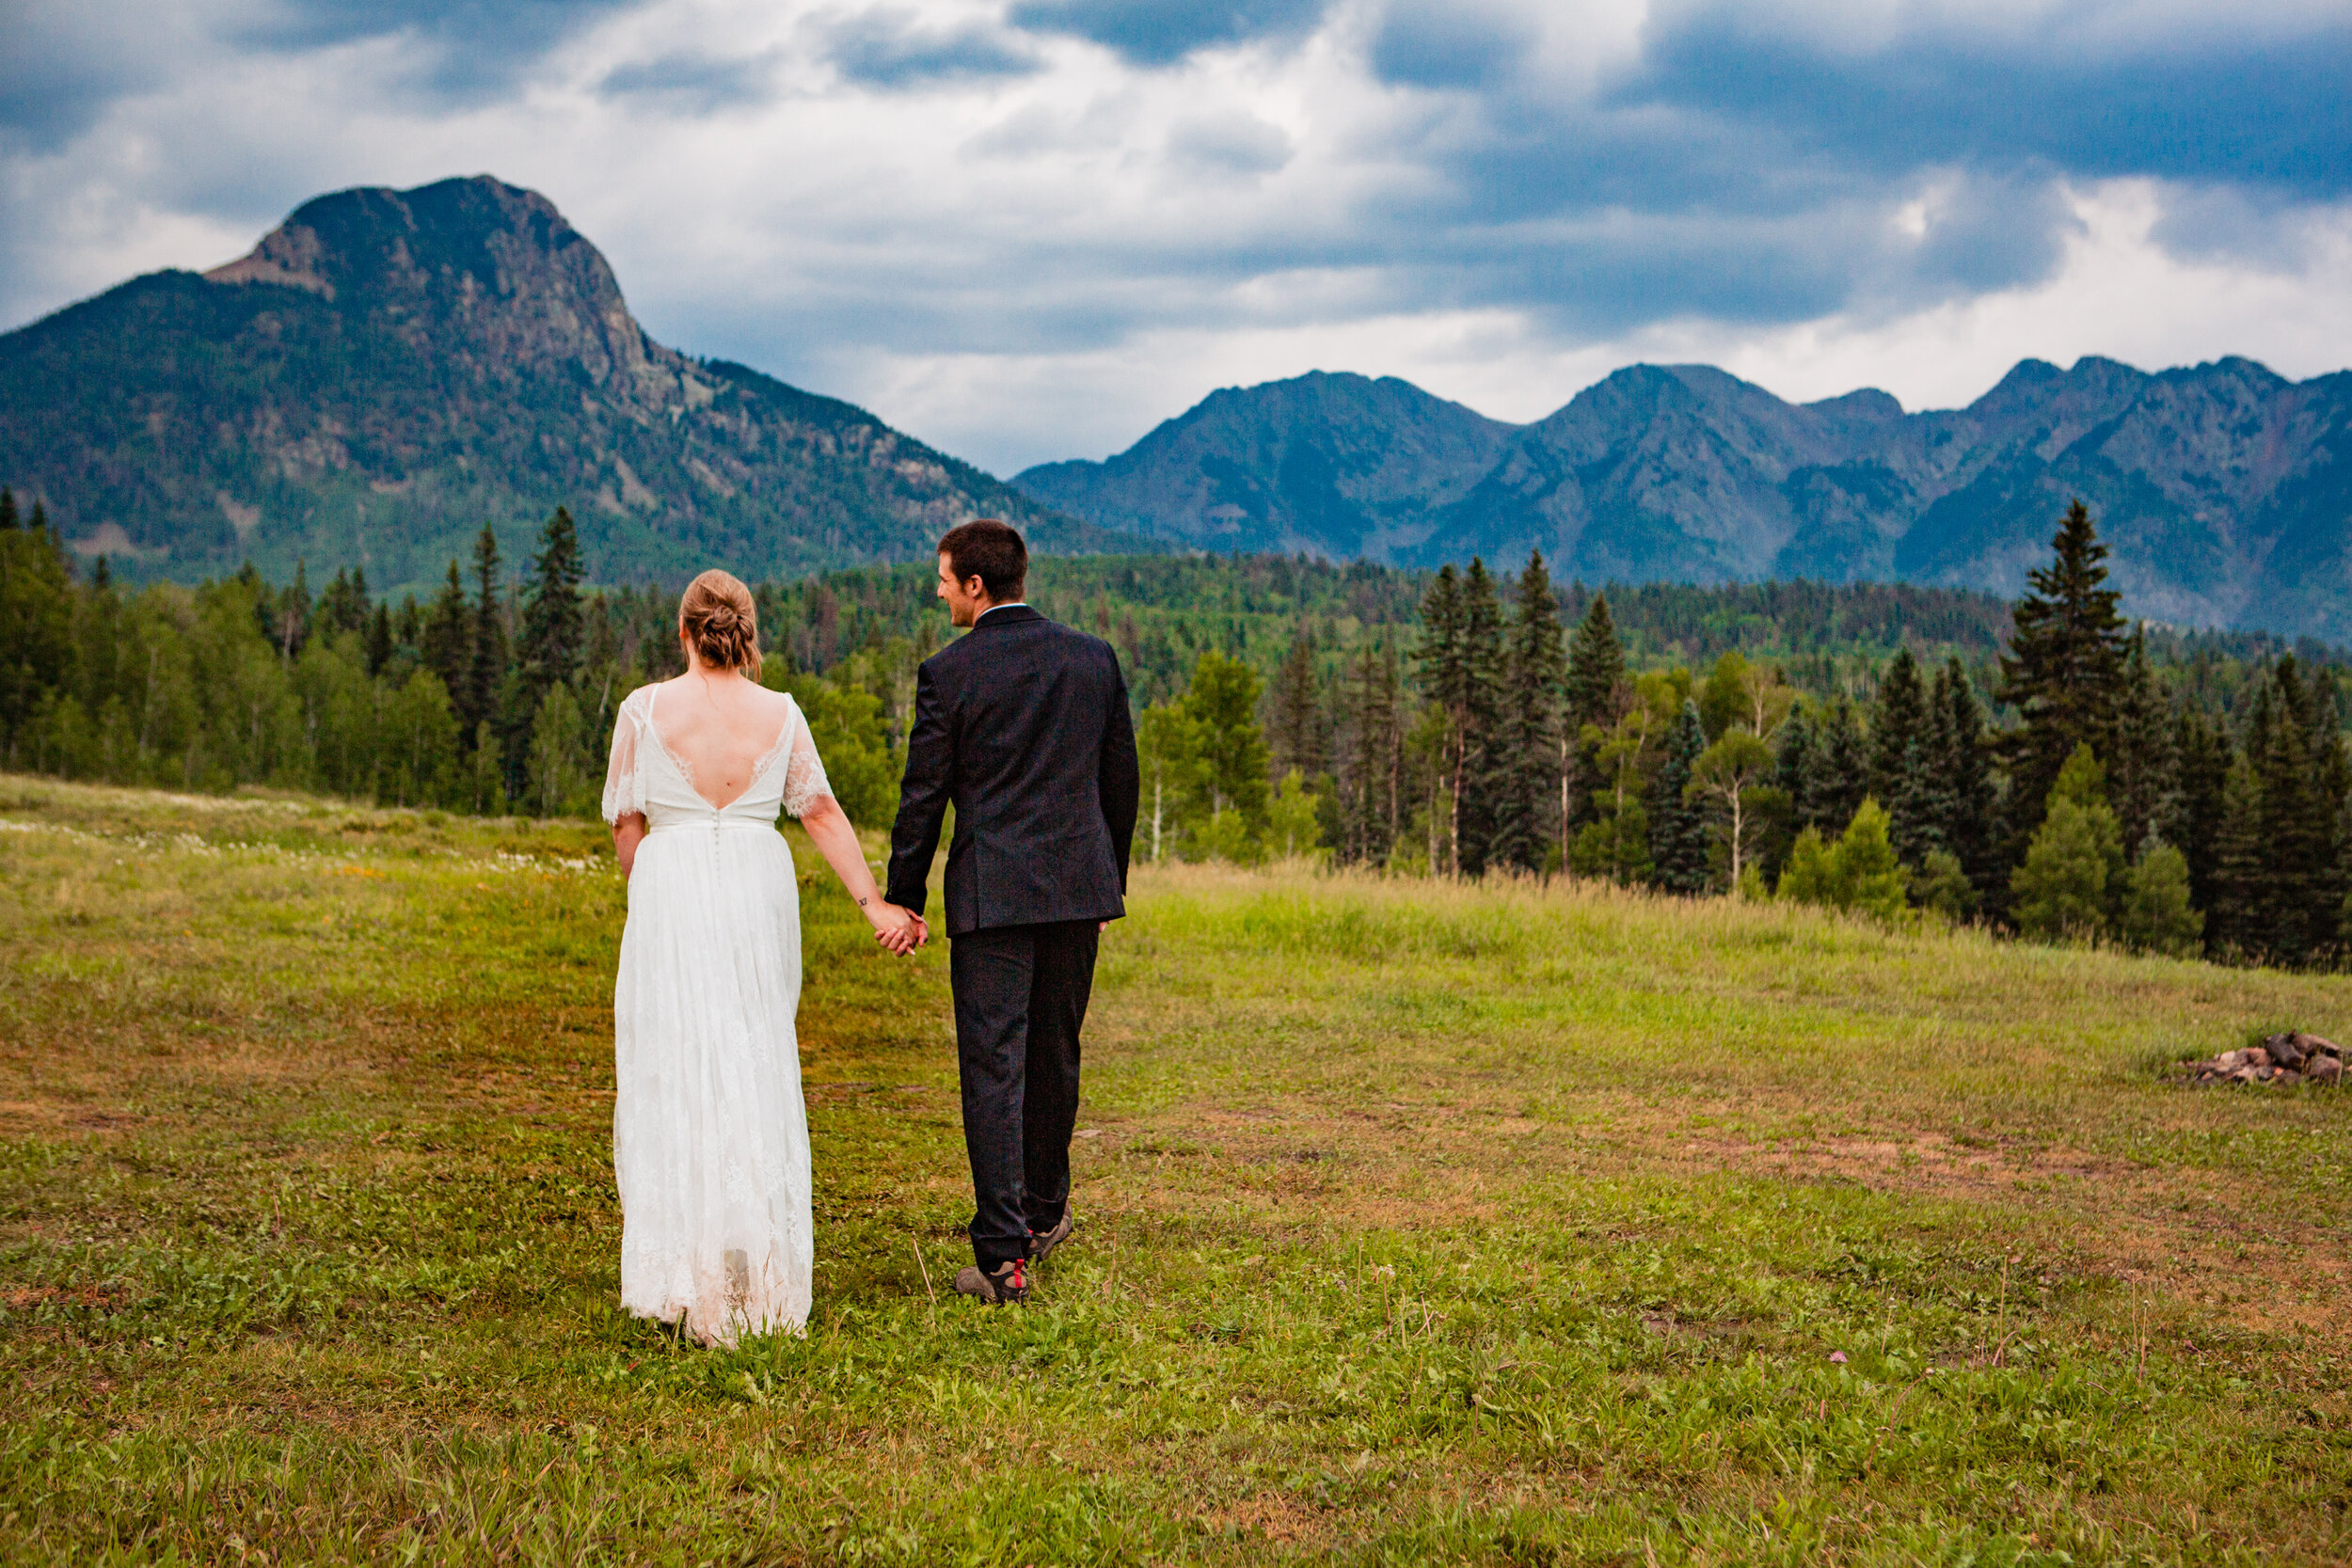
{"points": [[2229, 1061], [2243, 1074], [2323, 1069], [2285, 1050], [2313, 1046], [2286, 1076], [2257, 1055]]}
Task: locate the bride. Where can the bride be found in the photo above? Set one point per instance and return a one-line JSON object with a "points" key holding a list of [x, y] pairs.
{"points": [[709, 1137]]}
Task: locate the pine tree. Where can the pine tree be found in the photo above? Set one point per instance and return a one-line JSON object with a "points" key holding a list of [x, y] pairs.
{"points": [[2296, 921], [380, 641], [2067, 886], [1677, 825], [553, 629], [2145, 775], [2233, 921], [1793, 769], [35, 625], [2332, 788], [2203, 757], [1960, 774], [1223, 701], [1294, 730], [1444, 675], [1841, 769], [1595, 694], [2063, 668], [1372, 761], [1900, 741], [446, 640], [1527, 774], [1478, 761], [486, 664]]}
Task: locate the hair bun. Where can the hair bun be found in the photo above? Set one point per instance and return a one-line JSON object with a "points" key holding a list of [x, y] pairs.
{"points": [[719, 618]]}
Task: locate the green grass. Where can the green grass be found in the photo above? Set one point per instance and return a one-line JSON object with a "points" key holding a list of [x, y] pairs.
{"points": [[1418, 1222]]}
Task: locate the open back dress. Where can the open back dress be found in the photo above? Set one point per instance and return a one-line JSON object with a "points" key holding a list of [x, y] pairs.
{"points": [[709, 1135]]}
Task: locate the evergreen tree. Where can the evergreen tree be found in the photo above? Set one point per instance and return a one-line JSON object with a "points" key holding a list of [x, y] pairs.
{"points": [[35, 625], [2063, 668], [1677, 823], [1859, 872], [2233, 921], [445, 640], [2157, 916], [1223, 702], [1901, 741], [553, 629], [1528, 779], [1594, 696], [1840, 778], [380, 640], [1370, 773], [2203, 756], [2146, 773], [2294, 919], [1445, 676], [2072, 869], [1476, 703], [486, 663], [1793, 767], [1960, 775], [1294, 733]]}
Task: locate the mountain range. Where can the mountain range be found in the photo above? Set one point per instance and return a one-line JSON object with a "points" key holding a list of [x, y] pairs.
{"points": [[2224, 490], [388, 369]]}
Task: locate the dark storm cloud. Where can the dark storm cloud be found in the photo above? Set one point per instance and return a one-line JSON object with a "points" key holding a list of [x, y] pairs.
{"points": [[2199, 104], [475, 49], [1161, 32], [888, 49]]}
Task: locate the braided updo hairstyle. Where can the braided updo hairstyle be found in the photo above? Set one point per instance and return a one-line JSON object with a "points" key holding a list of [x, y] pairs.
{"points": [[718, 618]]}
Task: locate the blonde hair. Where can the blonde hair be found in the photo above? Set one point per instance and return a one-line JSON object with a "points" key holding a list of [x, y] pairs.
{"points": [[718, 617]]}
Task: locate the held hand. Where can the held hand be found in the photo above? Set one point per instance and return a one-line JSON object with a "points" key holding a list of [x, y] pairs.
{"points": [[898, 930]]}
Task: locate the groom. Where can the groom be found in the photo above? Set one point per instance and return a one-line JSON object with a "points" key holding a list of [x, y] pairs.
{"points": [[1023, 727]]}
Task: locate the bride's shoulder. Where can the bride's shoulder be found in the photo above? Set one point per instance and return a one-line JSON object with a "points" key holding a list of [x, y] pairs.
{"points": [[639, 703]]}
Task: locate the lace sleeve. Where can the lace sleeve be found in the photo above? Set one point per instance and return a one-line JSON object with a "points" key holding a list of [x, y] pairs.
{"points": [[805, 773], [621, 794]]}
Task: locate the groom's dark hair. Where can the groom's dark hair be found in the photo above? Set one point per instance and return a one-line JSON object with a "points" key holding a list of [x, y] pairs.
{"points": [[990, 549]]}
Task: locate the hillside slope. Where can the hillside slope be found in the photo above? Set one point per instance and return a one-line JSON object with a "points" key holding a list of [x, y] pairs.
{"points": [[389, 369], [2225, 490]]}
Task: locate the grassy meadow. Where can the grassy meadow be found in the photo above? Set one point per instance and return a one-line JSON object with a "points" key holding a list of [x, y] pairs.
{"points": [[1418, 1222]]}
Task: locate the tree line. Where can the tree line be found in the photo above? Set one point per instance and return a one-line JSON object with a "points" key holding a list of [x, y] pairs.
{"points": [[2078, 777], [498, 694], [2119, 800]]}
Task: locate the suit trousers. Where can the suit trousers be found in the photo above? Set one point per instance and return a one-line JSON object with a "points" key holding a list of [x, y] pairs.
{"points": [[1020, 994]]}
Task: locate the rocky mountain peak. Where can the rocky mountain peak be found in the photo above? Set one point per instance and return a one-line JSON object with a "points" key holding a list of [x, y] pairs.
{"points": [[476, 268]]}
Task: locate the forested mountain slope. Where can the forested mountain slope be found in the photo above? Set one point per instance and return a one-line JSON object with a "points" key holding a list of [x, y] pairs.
{"points": [[2225, 490], [388, 369]]}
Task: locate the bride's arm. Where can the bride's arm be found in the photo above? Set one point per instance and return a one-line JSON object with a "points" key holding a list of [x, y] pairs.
{"points": [[628, 833], [829, 828]]}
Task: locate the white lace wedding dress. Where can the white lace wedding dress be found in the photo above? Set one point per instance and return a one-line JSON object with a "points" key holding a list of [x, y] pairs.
{"points": [[709, 1135]]}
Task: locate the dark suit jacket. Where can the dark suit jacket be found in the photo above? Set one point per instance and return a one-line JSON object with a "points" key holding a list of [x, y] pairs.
{"points": [[1023, 725]]}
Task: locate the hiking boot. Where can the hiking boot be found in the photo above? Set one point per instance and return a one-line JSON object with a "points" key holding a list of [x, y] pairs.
{"points": [[1006, 1282], [1041, 1246]]}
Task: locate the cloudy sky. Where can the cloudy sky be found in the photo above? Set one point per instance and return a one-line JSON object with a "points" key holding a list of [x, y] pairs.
{"points": [[1031, 230]]}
